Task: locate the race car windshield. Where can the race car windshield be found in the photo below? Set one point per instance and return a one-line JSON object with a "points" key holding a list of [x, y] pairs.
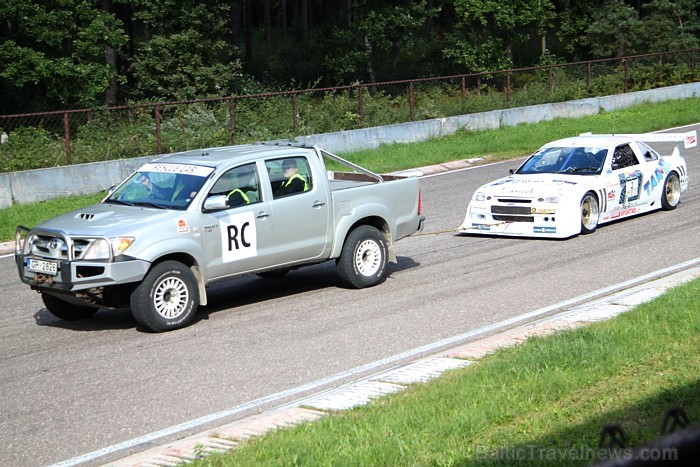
{"points": [[565, 160], [158, 190]]}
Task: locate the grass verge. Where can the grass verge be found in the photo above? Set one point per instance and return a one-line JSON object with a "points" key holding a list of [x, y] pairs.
{"points": [[505, 143], [543, 402]]}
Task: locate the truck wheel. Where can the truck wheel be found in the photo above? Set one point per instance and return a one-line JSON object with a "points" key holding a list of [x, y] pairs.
{"points": [[66, 311], [362, 262], [589, 213], [167, 298], [671, 195]]}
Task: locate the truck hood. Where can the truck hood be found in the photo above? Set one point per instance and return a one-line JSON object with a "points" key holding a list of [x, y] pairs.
{"points": [[531, 185], [108, 220]]}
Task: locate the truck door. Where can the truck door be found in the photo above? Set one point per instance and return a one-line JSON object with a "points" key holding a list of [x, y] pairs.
{"points": [[300, 210], [237, 236]]}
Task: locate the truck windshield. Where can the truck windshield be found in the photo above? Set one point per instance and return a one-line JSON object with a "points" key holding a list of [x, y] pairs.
{"points": [[565, 160], [164, 190]]}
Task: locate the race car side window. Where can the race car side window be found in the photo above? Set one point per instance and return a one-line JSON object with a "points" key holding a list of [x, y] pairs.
{"points": [[649, 153], [623, 157]]}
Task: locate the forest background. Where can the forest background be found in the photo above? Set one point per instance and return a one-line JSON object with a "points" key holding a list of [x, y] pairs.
{"points": [[63, 54]]}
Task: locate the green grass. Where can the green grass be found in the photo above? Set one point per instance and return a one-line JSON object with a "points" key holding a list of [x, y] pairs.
{"points": [[500, 144], [545, 401], [31, 214]]}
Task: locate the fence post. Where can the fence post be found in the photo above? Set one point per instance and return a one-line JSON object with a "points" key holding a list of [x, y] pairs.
{"points": [[589, 73], [626, 73], [66, 137], [294, 109], [159, 139], [232, 118], [692, 59], [410, 99], [550, 80], [362, 106], [508, 87]]}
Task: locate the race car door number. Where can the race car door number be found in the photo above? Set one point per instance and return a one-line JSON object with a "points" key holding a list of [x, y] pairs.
{"points": [[45, 267]]}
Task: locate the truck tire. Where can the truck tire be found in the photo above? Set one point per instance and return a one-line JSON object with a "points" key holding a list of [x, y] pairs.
{"points": [[66, 311], [167, 298], [671, 195], [362, 261], [589, 213]]}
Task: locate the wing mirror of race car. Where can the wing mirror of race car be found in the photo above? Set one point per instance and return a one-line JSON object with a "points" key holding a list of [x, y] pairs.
{"points": [[511, 171]]}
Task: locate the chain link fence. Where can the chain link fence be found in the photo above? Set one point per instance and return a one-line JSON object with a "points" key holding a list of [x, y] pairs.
{"points": [[39, 140]]}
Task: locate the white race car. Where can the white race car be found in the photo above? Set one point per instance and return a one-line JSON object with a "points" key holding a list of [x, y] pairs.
{"points": [[572, 185]]}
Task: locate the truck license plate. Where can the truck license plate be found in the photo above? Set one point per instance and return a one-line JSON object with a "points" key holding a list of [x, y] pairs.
{"points": [[46, 267]]}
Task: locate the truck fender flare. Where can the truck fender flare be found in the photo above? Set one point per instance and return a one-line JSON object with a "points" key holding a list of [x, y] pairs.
{"points": [[185, 250], [375, 215]]}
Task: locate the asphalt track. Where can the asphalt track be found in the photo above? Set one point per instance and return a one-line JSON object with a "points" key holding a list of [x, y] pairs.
{"points": [[71, 389]]}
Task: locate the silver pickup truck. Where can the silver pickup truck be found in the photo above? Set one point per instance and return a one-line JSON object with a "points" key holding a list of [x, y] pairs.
{"points": [[189, 219]]}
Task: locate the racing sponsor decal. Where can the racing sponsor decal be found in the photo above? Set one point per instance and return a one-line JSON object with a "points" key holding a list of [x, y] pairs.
{"points": [[623, 213], [658, 176], [543, 210], [186, 169], [630, 186], [182, 226], [481, 226], [239, 239], [538, 229]]}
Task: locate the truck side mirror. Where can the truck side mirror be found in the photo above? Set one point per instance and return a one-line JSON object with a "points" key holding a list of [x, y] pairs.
{"points": [[216, 203]]}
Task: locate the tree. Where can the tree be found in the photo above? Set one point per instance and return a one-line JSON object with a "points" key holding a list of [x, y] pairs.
{"points": [[53, 53], [671, 25], [186, 50], [486, 31], [376, 29], [614, 30]]}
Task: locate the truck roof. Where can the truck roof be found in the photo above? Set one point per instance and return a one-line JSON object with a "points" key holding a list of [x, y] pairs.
{"points": [[212, 157]]}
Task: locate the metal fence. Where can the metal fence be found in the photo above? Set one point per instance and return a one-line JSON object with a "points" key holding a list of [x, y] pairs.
{"points": [[75, 136]]}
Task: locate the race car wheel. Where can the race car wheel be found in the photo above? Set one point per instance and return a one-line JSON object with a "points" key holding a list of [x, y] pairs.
{"points": [[362, 262], [671, 195], [167, 298], [589, 213], [66, 311]]}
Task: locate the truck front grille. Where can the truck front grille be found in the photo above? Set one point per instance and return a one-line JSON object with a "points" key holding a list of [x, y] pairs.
{"points": [[47, 246]]}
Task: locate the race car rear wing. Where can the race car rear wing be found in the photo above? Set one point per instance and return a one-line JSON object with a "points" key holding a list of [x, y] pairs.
{"points": [[689, 139]]}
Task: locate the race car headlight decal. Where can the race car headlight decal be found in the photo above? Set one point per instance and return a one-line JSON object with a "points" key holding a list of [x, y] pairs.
{"points": [[552, 199]]}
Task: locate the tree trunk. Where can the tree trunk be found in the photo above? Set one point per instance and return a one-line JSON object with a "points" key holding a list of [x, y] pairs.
{"points": [[111, 61], [248, 33], [235, 18], [305, 22], [268, 21], [368, 58]]}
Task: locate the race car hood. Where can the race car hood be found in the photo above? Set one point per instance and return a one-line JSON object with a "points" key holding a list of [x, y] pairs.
{"points": [[108, 220], [531, 185]]}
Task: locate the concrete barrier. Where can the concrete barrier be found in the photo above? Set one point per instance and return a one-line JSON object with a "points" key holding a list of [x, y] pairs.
{"points": [[39, 185]]}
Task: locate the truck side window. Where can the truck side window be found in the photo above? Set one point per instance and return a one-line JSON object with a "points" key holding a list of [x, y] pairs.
{"points": [[241, 185], [289, 176]]}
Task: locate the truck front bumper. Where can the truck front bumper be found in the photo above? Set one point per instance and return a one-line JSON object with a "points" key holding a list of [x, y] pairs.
{"points": [[81, 275]]}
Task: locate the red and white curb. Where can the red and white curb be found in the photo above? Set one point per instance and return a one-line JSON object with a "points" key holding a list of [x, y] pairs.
{"points": [[358, 393]]}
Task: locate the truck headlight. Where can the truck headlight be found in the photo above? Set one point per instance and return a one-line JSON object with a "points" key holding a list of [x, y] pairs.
{"points": [[100, 248]]}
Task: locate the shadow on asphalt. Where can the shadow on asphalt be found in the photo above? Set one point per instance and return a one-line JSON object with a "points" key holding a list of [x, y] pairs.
{"points": [[225, 295]]}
